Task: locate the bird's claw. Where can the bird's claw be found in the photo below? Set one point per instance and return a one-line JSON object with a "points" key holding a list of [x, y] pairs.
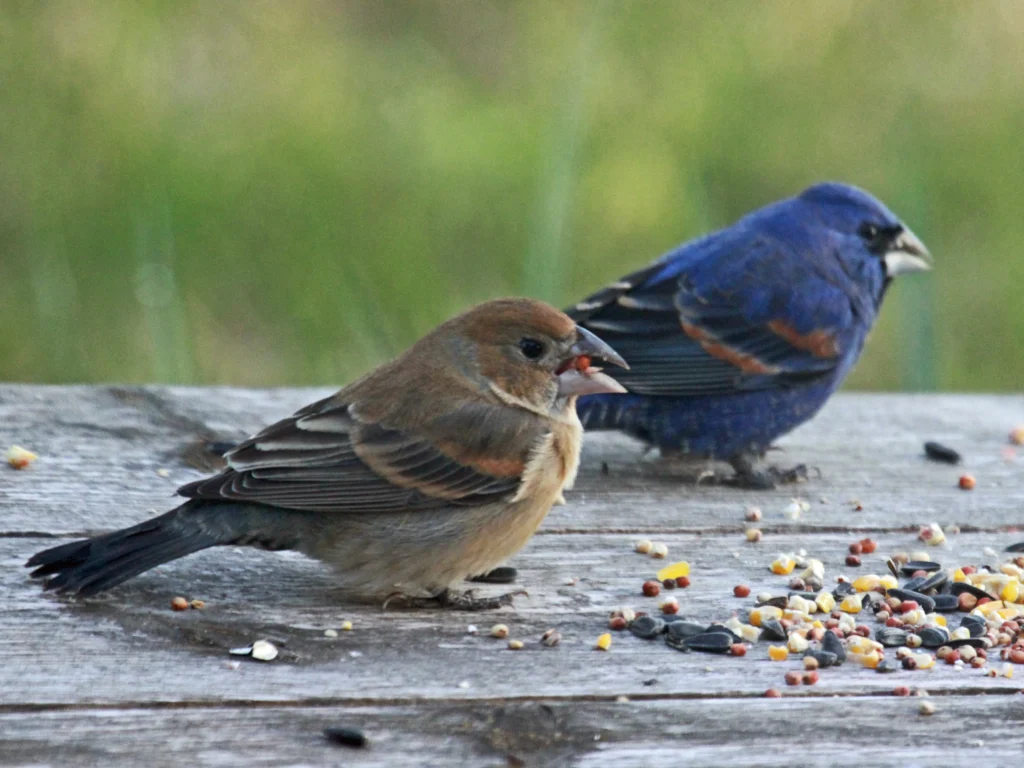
{"points": [[467, 601], [746, 476]]}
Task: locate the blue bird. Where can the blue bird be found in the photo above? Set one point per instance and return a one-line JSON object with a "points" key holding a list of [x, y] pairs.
{"points": [[738, 337]]}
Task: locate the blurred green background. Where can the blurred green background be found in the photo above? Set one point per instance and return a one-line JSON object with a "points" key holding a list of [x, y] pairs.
{"points": [[290, 192]]}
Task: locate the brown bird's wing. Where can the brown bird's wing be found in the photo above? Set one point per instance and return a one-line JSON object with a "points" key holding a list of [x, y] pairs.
{"points": [[325, 459]]}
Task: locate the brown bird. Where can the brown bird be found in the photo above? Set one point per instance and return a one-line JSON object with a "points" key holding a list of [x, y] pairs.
{"points": [[435, 467]]}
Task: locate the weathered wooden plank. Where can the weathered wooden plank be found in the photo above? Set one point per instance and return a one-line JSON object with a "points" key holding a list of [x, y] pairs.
{"points": [[678, 733], [129, 647], [102, 447]]}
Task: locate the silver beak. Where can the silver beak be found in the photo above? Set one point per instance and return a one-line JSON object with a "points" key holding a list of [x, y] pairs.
{"points": [[907, 254], [574, 382]]}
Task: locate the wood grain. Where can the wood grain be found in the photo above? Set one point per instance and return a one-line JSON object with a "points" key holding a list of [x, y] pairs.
{"points": [[116, 679]]}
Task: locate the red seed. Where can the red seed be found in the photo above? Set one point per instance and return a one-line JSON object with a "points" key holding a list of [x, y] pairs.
{"points": [[909, 662], [816, 634], [738, 649], [793, 677], [651, 589], [868, 546], [670, 607], [977, 662], [772, 693], [179, 604], [856, 548], [583, 362], [1017, 656], [982, 653], [683, 582], [893, 622], [919, 575], [967, 482], [811, 678], [953, 657], [966, 602], [832, 624], [908, 605], [983, 600], [901, 690], [968, 570], [863, 630], [618, 623], [797, 584], [741, 590], [669, 584], [853, 561]]}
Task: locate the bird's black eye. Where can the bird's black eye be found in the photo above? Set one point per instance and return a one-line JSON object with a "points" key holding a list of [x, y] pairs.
{"points": [[869, 232], [531, 348]]}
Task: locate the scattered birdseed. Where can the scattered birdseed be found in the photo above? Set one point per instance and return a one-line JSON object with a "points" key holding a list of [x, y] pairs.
{"points": [[472, 629], [939, 452], [551, 638], [264, 650], [643, 546], [515, 645], [669, 584], [754, 535], [931, 534], [783, 565], [901, 690], [659, 551], [197, 604], [163, 473], [778, 652], [683, 582], [793, 510], [179, 604], [617, 623], [967, 482], [674, 571], [741, 590], [651, 588], [499, 630], [753, 514], [330, 633], [346, 626], [670, 606], [793, 677], [811, 677], [20, 458], [853, 561], [772, 693], [346, 737], [926, 708], [604, 642], [1017, 436], [738, 649]]}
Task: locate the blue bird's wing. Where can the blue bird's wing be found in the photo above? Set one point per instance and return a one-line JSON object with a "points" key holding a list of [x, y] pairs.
{"points": [[731, 312]]}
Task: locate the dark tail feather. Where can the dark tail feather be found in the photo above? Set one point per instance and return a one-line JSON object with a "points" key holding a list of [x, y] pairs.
{"points": [[92, 565]]}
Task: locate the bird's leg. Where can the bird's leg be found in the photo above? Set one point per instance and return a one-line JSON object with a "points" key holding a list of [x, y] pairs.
{"points": [[503, 574], [749, 476]]}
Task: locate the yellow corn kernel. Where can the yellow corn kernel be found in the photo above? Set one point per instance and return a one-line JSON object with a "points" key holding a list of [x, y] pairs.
{"points": [[1010, 612], [825, 602], [674, 571], [764, 613], [851, 604], [817, 622], [778, 652], [959, 575], [783, 566], [938, 618], [604, 642], [869, 660], [988, 608], [797, 616], [866, 583], [924, 660], [859, 644], [1010, 591], [888, 581]]}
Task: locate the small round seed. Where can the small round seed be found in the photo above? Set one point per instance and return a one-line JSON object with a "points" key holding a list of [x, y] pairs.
{"points": [[868, 546], [901, 690], [669, 583], [179, 604], [773, 693], [651, 589], [197, 604], [856, 548], [753, 514], [754, 535], [853, 561], [346, 626], [618, 623], [659, 551], [683, 582], [811, 678], [793, 677], [741, 590], [967, 482], [515, 645], [926, 708], [738, 649], [499, 630], [810, 663], [643, 546]]}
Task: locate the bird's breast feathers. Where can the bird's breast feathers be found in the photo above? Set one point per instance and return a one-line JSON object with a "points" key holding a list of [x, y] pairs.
{"points": [[553, 463]]}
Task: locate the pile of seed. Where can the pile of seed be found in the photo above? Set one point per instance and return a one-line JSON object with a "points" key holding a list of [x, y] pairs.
{"points": [[819, 624]]}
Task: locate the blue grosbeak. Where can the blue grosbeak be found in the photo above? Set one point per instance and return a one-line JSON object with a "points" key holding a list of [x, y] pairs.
{"points": [[737, 337], [436, 466]]}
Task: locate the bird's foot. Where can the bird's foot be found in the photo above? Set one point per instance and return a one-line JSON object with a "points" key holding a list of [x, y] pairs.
{"points": [[454, 600], [503, 574], [749, 477]]}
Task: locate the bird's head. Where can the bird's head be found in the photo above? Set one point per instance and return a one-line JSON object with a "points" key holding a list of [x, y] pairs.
{"points": [[530, 355], [873, 229]]}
